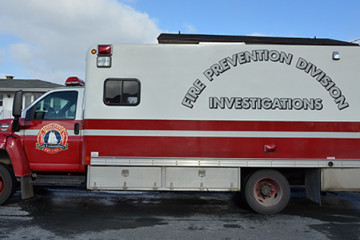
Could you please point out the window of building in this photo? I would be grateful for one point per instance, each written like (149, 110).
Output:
(122, 92)
(1, 100)
(37, 95)
(28, 99)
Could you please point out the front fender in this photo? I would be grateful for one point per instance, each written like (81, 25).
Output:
(17, 155)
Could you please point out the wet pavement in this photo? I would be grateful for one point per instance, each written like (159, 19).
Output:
(74, 213)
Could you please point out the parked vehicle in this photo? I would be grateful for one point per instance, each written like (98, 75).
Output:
(246, 114)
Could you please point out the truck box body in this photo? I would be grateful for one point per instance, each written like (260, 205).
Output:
(227, 101)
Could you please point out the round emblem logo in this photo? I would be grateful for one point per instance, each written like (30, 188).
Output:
(52, 138)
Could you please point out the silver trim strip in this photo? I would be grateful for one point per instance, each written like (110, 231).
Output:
(224, 162)
(239, 134)
(243, 134)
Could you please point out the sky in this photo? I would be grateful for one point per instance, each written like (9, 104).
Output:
(48, 40)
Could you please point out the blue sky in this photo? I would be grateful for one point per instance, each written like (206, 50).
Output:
(48, 40)
(327, 19)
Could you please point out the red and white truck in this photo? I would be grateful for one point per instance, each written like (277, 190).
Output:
(198, 113)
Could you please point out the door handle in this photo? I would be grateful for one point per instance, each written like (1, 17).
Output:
(77, 129)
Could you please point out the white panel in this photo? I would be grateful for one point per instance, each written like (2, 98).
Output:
(168, 71)
(124, 178)
(338, 179)
(203, 178)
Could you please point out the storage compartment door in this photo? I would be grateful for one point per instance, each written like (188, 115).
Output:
(337, 179)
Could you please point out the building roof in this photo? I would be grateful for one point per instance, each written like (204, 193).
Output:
(26, 84)
(197, 38)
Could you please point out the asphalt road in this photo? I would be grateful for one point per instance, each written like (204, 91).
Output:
(74, 213)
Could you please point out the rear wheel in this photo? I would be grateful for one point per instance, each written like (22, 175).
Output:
(7, 183)
(267, 191)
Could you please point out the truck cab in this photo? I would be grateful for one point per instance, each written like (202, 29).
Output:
(46, 137)
(51, 130)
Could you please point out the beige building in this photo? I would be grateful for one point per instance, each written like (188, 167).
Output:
(32, 89)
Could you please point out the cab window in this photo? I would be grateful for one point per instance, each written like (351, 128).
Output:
(55, 106)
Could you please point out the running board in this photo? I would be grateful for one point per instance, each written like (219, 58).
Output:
(59, 180)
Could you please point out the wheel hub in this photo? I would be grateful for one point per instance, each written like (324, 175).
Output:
(265, 190)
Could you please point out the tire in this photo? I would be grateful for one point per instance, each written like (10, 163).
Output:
(7, 183)
(267, 191)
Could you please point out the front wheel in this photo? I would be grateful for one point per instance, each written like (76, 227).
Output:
(267, 191)
(7, 183)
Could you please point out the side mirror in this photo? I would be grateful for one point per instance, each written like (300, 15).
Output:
(17, 106)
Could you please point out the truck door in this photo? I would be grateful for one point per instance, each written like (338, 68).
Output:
(52, 138)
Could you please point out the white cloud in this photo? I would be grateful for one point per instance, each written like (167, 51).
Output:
(2, 55)
(23, 53)
(55, 35)
(356, 40)
(189, 28)
(255, 34)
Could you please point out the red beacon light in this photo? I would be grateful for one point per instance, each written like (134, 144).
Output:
(74, 81)
(104, 49)
(104, 55)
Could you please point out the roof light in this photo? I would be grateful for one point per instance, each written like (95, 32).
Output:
(104, 49)
(74, 81)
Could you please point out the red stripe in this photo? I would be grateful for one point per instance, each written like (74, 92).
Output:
(193, 125)
(201, 147)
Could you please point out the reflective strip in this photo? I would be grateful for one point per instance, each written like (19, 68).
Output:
(35, 132)
(238, 134)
